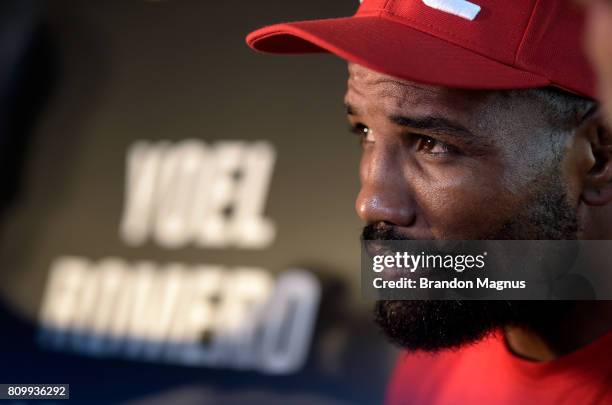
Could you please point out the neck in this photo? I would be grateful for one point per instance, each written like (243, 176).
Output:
(588, 321)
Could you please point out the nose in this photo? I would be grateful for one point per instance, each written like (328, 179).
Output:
(385, 194)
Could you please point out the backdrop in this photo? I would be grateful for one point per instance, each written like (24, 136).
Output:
(178, 220)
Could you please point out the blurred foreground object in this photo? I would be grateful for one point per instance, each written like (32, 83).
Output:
(598, 40)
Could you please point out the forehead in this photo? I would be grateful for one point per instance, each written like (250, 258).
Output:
(511, 128)
(370, 90)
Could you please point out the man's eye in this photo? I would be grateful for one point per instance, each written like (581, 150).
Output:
(431, 146)
(363, 131)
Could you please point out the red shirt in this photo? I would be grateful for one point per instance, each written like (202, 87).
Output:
(487, 373)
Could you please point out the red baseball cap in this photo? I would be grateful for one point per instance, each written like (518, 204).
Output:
(475, 44)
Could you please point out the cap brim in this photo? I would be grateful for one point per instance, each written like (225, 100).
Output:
(393, 49)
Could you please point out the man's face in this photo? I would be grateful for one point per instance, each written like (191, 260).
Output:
(442, 163)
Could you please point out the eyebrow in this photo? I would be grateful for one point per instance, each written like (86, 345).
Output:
(431, 123)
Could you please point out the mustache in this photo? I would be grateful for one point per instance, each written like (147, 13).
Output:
(381, 231)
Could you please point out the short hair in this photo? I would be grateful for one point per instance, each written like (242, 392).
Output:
(564, 110)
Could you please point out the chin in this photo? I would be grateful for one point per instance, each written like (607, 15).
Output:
(432, 326)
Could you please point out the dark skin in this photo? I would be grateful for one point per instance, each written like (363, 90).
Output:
(443, 163)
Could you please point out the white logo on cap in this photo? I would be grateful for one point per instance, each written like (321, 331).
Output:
(460, 8)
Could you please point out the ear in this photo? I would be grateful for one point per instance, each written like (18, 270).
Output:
(598, 182)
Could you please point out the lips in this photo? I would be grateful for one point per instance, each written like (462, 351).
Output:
(394, 259)
(393, 269)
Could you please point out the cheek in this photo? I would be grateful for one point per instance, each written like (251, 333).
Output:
(464, 204)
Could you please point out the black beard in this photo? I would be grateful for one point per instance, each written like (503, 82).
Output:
(435, 325)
